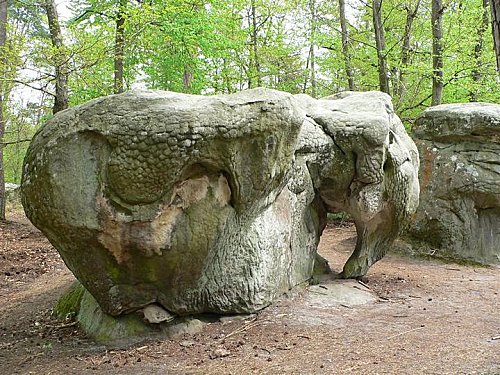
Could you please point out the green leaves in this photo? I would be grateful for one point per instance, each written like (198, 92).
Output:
(210, 46)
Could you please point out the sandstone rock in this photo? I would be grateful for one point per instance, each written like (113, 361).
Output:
(12, 193)
(219, 353)
(333, 293)
(215, 204)
(155, 314)
(362, 162)
(459, 213)
(77, 303)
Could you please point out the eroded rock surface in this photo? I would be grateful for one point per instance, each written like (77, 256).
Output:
(215, 204)
(362, 162)
(459, 213)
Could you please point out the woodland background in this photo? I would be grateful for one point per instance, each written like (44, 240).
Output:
(421, 52)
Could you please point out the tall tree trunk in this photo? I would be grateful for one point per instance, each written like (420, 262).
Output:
(495, 13)
(312, 54)
(311, 66)
(345, 46)
(256, 58)
(187, 78)
(383, 75)
(478, 48)
(437, 52)
(119, 47)
(3, 40)
(61, 97)
(411, 14)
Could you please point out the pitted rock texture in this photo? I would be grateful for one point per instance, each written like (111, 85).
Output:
(215, 204)
(459, 213)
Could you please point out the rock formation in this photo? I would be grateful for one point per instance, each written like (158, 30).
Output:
(12, 193)
(215, 204)
(459, 212)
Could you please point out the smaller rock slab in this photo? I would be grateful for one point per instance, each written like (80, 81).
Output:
(339, 293)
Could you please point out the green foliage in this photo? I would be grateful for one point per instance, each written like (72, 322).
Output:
(210, 47)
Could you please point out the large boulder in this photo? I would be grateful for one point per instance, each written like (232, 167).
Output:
(215, 204)
(459, 213)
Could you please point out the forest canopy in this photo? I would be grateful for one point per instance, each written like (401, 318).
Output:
(421, 52)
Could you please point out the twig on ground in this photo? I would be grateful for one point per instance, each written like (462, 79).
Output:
(357, 287)
(266, 350)
(362, 283)
(63, 325)
(247, 325)
(405, 332)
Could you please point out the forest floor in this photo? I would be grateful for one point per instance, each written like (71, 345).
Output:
(428, 318)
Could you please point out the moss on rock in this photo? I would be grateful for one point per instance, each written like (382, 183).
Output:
(105, 328)
(77, 303)
(68, 304)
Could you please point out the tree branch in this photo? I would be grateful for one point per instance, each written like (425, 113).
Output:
(42, 89)
(15, 142)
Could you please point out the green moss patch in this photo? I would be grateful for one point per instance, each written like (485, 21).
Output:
(68, 306)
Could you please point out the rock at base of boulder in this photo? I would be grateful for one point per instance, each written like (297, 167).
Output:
(332, 293)
(123, 330)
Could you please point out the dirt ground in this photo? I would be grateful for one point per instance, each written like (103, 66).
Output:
(429, 318)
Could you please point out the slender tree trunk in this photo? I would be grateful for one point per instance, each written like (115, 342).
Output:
(495, 13)
(380, 44)
(312, 54)
(411, 14)
(256, 57)
(187, 79)
(437, 52)
(306, 76)
(345, 46)
(478, 48)
(61, 98)
(119, 47)
(311, 66)
(3, 40)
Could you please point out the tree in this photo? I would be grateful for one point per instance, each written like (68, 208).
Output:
(255, 61)
(478, 48)
(400, 71)
(60, 58)
(3, 43)
(311, 57)
(345, 46)
(495, 13)
(383, 72)
(437, 51)
(119, 47)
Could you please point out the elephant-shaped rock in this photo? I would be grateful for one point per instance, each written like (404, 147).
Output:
(215, 203)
